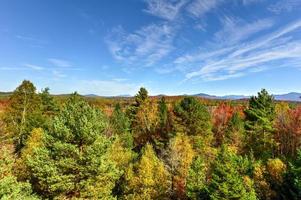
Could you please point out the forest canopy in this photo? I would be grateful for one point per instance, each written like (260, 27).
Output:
(73, 147)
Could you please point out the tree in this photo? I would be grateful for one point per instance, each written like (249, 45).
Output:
(193, 119)
(181, 155)
(288, 130)
(74, 159)
(221, 118)
(119, 121)
(235, 132)
(148, 179)
(23, 113)
(49, 106)
(227, 182)
(197, 180)
(10, 187)
(259, 124)
(144, 119)
(164, 130)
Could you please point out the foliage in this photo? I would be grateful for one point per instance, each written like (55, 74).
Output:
(74, 159)
(259, 124)
(10, 187)
(227, 182)
(197, 180)
(72, 147)
(148, 179)
(180, 158)
(24, 113)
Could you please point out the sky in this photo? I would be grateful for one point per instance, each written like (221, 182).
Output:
(172, 47)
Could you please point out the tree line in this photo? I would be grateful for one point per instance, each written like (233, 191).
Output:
(150, 149)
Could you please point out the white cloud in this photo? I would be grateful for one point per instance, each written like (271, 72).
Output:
(59, 62)
(167, 9)
(145, 46)
(34, 67)
(235, 30)
(277, 48)
(285, 5)
(199, 8)
(58, 74)
(248, 2)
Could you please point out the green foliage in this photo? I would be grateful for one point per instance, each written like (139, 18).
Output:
(119, 121)
(196, 180)
(144, 119)
(193, 118)
(259, 124)
(24, 113)
(72, 150)
(49, 106)
(10, 188)
(74, 159)
(227, 182)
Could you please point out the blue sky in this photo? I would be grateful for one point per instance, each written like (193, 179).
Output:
(113, 47)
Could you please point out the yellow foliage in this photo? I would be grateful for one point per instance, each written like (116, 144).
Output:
(34, 140)
(148, 179)
(120, 155)
(276, 168)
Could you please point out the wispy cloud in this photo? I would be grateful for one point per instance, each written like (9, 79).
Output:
(285, 5)
(32, 39)
(199, 8)
(238, 30)
(58, 74)
(168, 9)
(275, 48)
(59, 62)
(145, 46)
(248, 2)
(34, 67)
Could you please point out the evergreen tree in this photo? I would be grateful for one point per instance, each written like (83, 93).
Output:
(259, 124)
(227, 182)
(74, 159)
(119, 121)
(196, 180)
(49, 106)
(193, 117)
(164, 132)
(144, 119)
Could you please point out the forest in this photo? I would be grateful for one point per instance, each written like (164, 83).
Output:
(144, 148)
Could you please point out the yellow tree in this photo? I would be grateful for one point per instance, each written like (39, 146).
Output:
(180, 159)
(147, 179)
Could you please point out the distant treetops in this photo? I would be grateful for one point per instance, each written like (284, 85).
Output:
(148, 148)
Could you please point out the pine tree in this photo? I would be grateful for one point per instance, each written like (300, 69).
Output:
(227, 182)
(259, 124)
(119, 121)
(197, 180)
(74, 159)
(193, 117)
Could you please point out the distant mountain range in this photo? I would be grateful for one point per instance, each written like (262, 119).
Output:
(292, 96)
